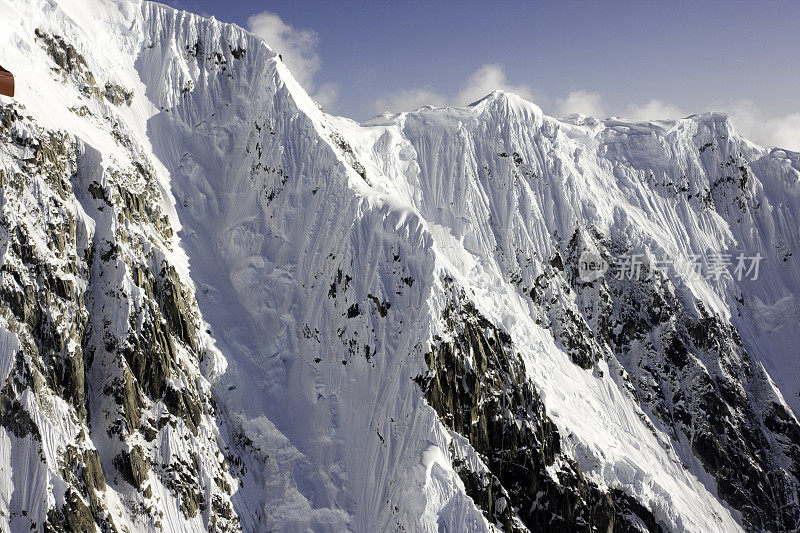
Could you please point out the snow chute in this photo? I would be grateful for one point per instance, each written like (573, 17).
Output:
(6, 82)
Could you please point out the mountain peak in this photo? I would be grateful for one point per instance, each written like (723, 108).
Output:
(507, 102)
(222, 309)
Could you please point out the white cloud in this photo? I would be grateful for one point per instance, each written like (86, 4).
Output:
(408, 100)
(298, 48)
(653, 110)
(751, 122)
(483, 81)
(327, 94)
(486, 79)
(585, 102)
(593, 104)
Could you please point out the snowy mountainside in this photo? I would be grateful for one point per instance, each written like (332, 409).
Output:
(223, 309)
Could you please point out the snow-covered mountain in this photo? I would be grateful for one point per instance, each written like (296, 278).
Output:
(223, 309)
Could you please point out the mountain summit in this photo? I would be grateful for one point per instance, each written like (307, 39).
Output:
(222, 309)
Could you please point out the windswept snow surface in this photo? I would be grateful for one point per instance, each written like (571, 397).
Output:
(316, 248)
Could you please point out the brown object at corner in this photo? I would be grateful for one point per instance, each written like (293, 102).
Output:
(6, 82)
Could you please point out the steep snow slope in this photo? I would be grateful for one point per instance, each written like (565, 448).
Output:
(537, 192)
(302, 259)
(107, 419)
(223, 308)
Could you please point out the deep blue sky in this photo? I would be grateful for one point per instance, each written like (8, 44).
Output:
(689, 55)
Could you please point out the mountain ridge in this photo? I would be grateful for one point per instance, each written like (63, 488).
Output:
(277, 286)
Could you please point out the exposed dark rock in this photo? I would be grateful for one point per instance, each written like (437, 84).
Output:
(65, 308)
(127, 393)
(175, 306)
(93, 471)
(133, 466)
(690, 374)
(77, 515)
(62, 53)
(14, 417)
(182, 478)
(477, 385)
(383, 307)
(117, 94)
(151, 357)
(349, 155)
(71, 63)
(238, 53)
(489, 495)
(182, 404)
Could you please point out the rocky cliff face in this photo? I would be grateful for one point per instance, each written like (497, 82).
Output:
(104, 407)
(223, 309)
(521, 481)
